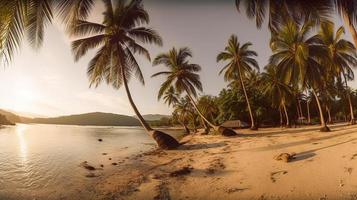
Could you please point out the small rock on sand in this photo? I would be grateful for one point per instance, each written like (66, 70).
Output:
(181, 172)
(114, 163)
(87, 166)
(100, 140)
(286, 157)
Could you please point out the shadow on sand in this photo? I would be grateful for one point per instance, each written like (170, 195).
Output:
(201, 146)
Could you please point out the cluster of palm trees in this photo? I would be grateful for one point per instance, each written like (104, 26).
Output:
(299, 64)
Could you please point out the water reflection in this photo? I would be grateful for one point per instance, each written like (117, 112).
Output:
(20, 132)
(43, 161)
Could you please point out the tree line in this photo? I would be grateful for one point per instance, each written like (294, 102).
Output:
(303, 62)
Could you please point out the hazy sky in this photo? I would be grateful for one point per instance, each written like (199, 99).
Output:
(48, 82)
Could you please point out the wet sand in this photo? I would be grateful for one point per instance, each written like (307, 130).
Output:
(243, 167)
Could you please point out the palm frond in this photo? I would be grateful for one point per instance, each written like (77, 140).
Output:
(39, 14)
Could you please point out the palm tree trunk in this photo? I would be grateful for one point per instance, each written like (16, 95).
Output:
(205, 127)
(353, 121)
(300, 108)
(308, 112)
(198, 111)
(286, 114)
(298, 112)
(281, 117)
(349, 102)
(186, 128)
(247, 100)
(350, 25)
(324, 127)
(163, 140)
(329, 115)
(140, 117)
(224, 131)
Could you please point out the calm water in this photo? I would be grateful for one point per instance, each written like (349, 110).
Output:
(42, 161)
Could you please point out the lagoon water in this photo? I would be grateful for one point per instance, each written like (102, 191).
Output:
(42, 161)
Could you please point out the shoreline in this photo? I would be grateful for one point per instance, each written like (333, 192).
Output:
(242, 167)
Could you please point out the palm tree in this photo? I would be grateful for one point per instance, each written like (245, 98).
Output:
(117, 39)
(185, 112)
(30, 17)
(341, 54)
(241, 63)
(348, 10)
(183, 76)
(297, 59)
(308, 98)
(276, 90)
(207, 105)
(171, 97)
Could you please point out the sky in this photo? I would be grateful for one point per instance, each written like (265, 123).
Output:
(47, 82)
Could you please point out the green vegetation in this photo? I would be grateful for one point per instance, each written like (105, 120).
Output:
(307, 67)
(241, 64)
(184, 77)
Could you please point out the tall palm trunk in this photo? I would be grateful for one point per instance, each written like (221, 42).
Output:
(349, 102)
(353, 121)
(163, 140)
(281, 117)
(253, 127)
(205, 127)
(224, 131)
(324, 127)
(298, 112)
(350, 25)
(187, 130)
(300, 108)
(329, 115)
(286, 114)
(308, 112)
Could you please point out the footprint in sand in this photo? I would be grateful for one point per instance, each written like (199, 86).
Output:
(354, 156)
(348, 170)
(274, 175)
(215, 165)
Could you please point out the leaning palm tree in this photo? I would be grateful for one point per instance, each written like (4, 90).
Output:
(183, 76)
(240, 64)
(341, 54)
(298, 58)
(117, 39)
(274, 88)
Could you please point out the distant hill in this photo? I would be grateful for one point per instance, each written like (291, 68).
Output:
(153, 117)
(11, 116)
(5, 121)
(94, 119)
